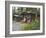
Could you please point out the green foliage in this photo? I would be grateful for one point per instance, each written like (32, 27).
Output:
(27, 27)
(35, 25)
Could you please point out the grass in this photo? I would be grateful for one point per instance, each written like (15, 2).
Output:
(26, 26)
(34, 25)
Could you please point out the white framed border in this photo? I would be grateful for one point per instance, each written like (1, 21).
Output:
(30, 31)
